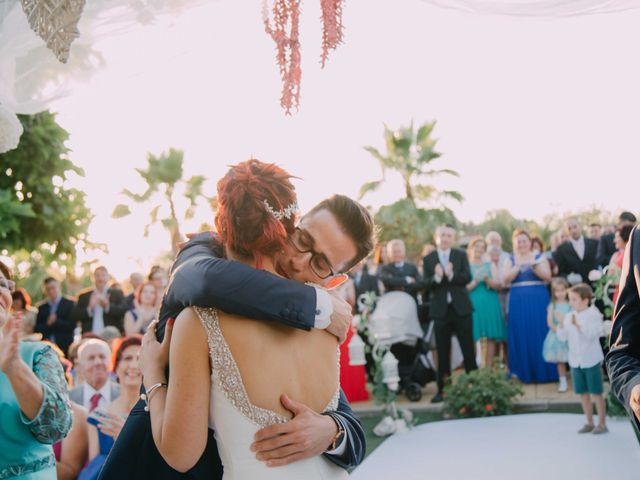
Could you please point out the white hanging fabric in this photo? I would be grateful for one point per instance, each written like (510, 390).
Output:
(538, 8)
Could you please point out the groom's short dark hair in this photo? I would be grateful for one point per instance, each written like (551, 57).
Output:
(354, 220)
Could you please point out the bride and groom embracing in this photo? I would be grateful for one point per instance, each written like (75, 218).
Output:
(247, 392)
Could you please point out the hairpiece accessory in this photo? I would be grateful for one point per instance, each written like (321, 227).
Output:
(287, 213)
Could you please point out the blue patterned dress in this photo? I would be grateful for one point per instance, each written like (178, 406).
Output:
(555, 350)
(25, 445)
(528, 301)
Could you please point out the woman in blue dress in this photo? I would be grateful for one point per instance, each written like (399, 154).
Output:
(528, 273)
(34, 404)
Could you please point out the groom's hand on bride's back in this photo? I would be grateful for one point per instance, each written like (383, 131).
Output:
(307, 435)
(341, 317)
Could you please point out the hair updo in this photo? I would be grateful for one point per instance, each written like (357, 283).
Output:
(243, 221)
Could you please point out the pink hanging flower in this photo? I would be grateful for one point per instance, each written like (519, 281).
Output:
(285, 34)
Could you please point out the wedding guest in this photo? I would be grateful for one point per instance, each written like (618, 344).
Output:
(446, 275)
(577, 257)
(160, 279)
(487, 318)
(33, 397)
(398, 274)
(595, 231)
(100, 305)
(557, 239)
(581, 328)
(71, 452)
(55, 315)
(135, 280)
(623, 358)
(606, 245)
(426, 250)
(97, 389)
(537, 245)
(621, 238)
(107, 421)
(494, 240)
(528, 300)
(364, 282)
(138, 318)
(555, 350)
(22, 306)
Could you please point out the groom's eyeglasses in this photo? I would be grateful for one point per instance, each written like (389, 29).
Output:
(303, 243)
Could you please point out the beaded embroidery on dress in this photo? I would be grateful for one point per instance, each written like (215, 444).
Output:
(235, 419)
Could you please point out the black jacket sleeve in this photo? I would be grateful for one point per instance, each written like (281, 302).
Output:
(356, 446)
(623, 359)
(200, 278)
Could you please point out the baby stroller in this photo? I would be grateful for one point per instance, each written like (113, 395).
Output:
(395, 324)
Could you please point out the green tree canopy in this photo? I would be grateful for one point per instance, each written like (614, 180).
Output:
(163, 176)
(39, 213)
(412, 153)
(415, 226)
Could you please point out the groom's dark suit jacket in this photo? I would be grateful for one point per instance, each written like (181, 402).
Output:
(623, 359)
(201, 278)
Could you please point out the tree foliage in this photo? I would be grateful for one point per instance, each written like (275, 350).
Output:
(415, 226)
(39, 213)
(164, 177)
(411, 153)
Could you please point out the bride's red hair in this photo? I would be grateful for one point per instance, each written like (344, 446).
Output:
(243, 221)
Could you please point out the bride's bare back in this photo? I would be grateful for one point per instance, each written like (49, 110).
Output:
(274, 359)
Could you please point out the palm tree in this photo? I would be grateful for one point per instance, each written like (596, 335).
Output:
(411, 154)
(165, 171)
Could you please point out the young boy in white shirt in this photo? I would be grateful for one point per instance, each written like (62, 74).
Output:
(582, 328)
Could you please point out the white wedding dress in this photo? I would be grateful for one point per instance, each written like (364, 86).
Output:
(235, 420)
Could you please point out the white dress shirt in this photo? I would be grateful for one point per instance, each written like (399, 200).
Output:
(445, 257)
(578, 246)
(584, 344)
(88, 391)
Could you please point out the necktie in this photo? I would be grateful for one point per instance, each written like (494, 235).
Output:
(95, 399)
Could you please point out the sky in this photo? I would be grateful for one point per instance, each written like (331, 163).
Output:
(537, 116)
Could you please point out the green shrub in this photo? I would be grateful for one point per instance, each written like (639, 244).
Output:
(481, 393)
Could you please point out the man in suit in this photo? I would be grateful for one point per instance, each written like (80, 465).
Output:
(54, 320)
(606, 245)
(97, 390)
(100, 306)
(364, 282)
(577, 256)
(398, 274)
(200, 276)
(623, 358)
(446, 275)
(135, 280)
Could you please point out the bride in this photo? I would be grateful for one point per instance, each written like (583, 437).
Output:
(228, 372)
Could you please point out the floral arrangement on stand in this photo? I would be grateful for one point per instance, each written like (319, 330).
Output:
(603, 283)
(384, 381)
(486, 392)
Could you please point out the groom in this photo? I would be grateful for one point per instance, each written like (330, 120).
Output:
(201, 277)
(623, 359)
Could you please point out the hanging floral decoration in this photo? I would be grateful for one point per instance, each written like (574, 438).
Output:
(284, 30)
(331, 27)
(56, 22)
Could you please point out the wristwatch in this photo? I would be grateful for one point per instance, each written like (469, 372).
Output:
(338, 436)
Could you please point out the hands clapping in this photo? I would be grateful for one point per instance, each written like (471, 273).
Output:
(10, 344)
